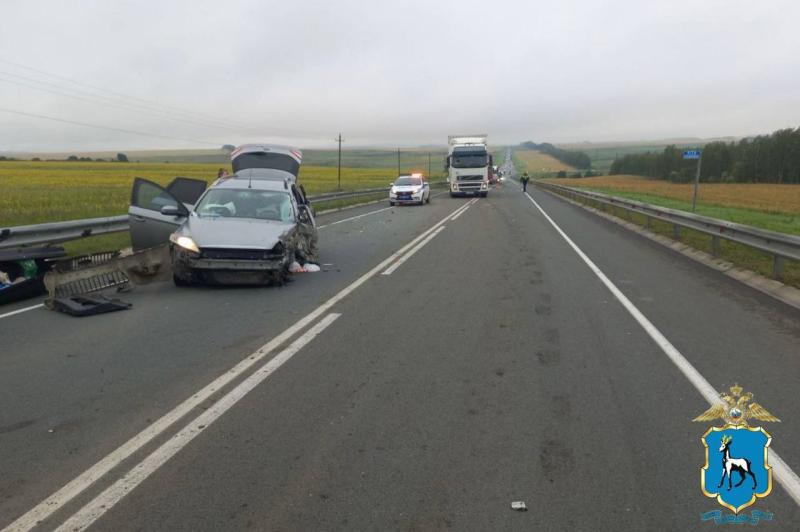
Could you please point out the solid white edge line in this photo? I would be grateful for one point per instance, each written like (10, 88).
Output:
(93, 510)
(781, 470)
(80, 483)
(413, 250)
(20, 311)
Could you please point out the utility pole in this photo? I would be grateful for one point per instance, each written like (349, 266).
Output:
(339, 172)
(429, 165)
(398, 162)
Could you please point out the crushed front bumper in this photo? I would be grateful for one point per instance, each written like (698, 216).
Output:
(189, 266)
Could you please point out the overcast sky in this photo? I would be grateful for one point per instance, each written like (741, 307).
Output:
(393, 73)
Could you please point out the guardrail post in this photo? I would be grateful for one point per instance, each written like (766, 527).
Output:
(714, 245)
(777, 268)
(676, 231)
(648, 222)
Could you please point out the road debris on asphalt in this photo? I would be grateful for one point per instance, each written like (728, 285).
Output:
(87, 305)
(519, 506)
(308, 267)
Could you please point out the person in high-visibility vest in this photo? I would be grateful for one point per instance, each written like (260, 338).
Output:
(524, 179)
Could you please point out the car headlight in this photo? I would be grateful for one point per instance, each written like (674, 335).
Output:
(184, 241)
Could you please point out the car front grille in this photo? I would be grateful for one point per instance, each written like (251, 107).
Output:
(238, 254)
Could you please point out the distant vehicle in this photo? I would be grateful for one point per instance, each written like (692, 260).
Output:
(469, 165)
(410, 189)
(246, 229)
(494, 175)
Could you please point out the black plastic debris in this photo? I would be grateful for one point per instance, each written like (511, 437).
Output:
(87, 305)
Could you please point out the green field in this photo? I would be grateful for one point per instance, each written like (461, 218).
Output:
(780, 222)
(411, 159)
(36, 192)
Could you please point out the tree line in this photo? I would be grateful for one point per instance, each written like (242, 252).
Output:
(773, 158)
(578, 159)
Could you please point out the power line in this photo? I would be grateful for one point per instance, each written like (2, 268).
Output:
(125, 96)
(103, 102)
(97, 126)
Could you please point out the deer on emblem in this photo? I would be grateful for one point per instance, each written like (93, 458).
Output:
(729, 465)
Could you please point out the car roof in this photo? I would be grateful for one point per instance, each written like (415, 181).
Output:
(255, 184)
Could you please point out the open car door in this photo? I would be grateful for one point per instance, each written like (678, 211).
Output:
(155, 212)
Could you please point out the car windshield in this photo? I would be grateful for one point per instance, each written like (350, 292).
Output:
(408, 182)
(247, 203)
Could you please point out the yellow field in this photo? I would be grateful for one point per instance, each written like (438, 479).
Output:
(769, 198)
(535, 161)
(35, 192)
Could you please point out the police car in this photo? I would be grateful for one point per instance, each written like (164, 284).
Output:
(410, 189)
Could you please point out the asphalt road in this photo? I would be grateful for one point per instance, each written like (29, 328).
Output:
(491, 365)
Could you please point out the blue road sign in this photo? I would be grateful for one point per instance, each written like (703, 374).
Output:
(691, 154)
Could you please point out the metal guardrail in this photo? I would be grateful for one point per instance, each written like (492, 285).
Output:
(780, 245)
(57, 232)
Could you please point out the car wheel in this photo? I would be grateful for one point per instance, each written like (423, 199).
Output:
(391, 204)
(429, 199)
(179, 281)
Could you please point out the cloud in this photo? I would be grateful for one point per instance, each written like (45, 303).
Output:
(406, 73)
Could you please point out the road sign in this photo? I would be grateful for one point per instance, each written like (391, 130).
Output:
(691, 154)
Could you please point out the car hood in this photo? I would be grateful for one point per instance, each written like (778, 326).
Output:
(406, 188)
(220, 232)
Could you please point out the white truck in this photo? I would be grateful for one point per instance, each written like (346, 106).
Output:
(469, 165)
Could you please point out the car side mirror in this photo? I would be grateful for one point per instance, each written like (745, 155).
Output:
(172, 210)
(303, 214)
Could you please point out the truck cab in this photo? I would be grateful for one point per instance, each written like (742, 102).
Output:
(468, 165)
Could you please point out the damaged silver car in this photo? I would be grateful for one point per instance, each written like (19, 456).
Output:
(246, 229)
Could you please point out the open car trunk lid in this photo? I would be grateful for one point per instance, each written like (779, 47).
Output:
(267, 156)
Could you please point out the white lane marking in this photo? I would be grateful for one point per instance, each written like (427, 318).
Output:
(464, 210)
(362, 215)
(783, 473)
(80, 483)
(87, 515)
(354, 217)
(20, 311)
(413, 250)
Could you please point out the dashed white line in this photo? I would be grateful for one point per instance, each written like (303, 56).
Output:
(114, 493)
(783, 473)
(20, 311)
